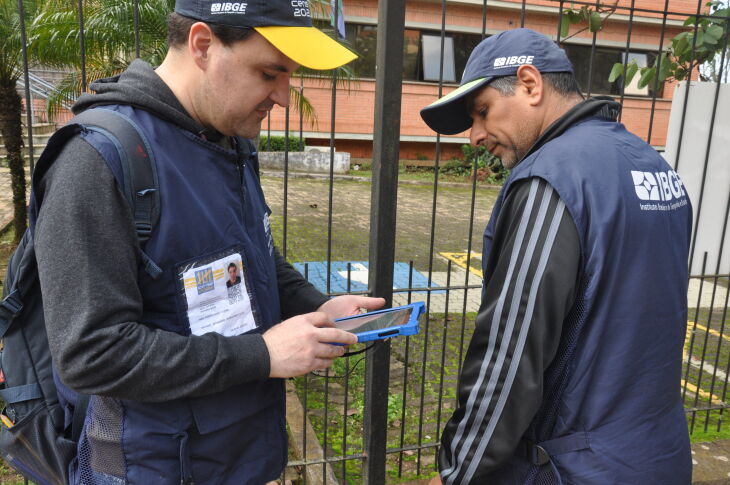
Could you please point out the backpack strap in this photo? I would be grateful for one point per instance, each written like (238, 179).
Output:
(21, 274)
(139, 171)
(137, 161)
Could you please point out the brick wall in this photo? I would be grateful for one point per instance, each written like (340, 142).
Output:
(354, 109)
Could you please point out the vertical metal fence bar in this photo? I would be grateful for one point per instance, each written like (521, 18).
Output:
(659, 52)
(708, 326)
(698, 213)
(405, 379)
(305, 412)
(686, 98)
(694, 330)
(386, 145)
(436, 170)
(591, 59)
(332, 170)
(444, 337)
(136, 29)
(325, 430)
(626, 57)
(82, 47)
(26, 80)
(522, 13)
(723, 235)
(301, 117)
(472, 210)
(285, 209)
(727, 366)
(560, 20)
(484, 19)
(692, 341)
(347, 390)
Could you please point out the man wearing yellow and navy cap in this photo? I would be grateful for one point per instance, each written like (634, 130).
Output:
(184, 373)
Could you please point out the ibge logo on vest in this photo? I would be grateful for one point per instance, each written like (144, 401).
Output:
(664, 187)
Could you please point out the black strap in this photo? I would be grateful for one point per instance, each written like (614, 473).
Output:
(541, 453)
(77, 424)
(138, 165)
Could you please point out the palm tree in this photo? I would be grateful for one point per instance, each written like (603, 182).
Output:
(10, 104)
(110, 44)
(109, 40)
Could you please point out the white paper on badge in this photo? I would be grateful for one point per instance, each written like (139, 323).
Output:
(218, 299)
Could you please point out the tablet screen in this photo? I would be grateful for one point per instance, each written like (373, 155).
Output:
(375, 321)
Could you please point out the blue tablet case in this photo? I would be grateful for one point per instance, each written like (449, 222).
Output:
(409, 328)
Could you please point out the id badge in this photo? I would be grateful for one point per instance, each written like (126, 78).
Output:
(217, 295)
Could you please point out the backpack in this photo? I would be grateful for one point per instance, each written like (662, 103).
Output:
(34, 438)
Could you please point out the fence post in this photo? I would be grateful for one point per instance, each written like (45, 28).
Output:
(386, 146)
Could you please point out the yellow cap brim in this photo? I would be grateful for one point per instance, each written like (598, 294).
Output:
(308, 46)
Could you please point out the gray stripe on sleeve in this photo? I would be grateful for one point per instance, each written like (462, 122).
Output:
(452, 472)
(550, 240)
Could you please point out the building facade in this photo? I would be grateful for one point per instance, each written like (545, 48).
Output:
(465, 23)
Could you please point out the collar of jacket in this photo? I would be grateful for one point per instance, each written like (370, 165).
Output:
(603, 107)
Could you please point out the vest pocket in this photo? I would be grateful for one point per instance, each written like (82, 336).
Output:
(220, 410)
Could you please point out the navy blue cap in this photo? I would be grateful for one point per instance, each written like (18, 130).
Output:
(249, 13)
(496, 56)
(287, 24)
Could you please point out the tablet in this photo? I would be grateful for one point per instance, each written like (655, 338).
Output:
(382, 324)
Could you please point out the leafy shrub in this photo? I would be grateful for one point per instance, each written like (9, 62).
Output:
(489, 167)
(276, 144)
(456, 167)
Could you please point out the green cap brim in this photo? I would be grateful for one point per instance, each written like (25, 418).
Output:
(448, 115)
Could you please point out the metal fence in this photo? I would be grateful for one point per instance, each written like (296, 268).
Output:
(377, 417)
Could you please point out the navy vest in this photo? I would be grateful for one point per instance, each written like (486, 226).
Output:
(212, 211)
(612, 410)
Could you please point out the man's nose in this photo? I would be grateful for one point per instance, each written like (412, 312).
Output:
(280, 94)
(478, 134)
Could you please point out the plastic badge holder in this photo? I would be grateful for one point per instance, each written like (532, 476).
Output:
(383, 324)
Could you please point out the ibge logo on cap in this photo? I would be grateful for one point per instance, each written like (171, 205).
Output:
(502, 62)
(228, 7)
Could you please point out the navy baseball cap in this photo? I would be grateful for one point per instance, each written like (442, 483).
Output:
(496, 56)
(287, 24)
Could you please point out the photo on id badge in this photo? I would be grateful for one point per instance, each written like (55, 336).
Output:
(215, 293)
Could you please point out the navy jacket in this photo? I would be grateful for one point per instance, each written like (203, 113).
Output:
(596, 372)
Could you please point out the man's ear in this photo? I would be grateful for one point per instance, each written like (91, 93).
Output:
(200, 40)
(530, 80)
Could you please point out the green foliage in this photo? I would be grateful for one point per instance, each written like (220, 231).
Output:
(277, 144)
(109, 40)
(585, 15)
(686, 51)
(456, 167)
(489, 168)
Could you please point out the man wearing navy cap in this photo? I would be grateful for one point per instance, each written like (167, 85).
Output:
(572, 375)
(184, 373)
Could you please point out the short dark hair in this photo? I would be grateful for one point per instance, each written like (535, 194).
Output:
(178, 29)
(232, 265)
(563, 83)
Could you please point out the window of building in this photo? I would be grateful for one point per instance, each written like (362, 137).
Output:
(603, 60)
(431, 54)
(421, 53)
